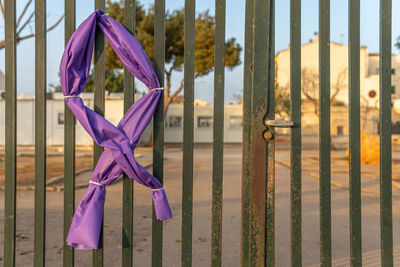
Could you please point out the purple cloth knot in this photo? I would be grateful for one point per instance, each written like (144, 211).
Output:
(118, 141)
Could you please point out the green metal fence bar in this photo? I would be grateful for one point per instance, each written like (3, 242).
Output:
(218, 133)
(40, 133)
(246, 161)
(385, 124)
(158, 129)
(10, 134)
(127, 186)
(188, 134)
(99, 100)
(324, 134)
(69, 149)
(270, 188)
(295, 133)
(354, 133)
(258, 153)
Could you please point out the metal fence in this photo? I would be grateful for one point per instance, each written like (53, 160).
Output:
(258, 192)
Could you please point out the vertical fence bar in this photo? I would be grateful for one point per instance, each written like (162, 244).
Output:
(246, 160)
(354, 132)
(10, 134)
(40, 133)
(295, 133)
(99, 101)
(324, 134)
(69, 149)
(270, 109)
(127, 187)
(158, 129)
(188, 134)
(218, 133)
(258, 153)
(385, 131)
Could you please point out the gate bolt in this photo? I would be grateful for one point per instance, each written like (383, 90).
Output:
(267, 135)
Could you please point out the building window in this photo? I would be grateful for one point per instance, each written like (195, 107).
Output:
(235, 122)
(204, 121)
(339, 130)
(396, 127)
(174, 122)
(60, 117)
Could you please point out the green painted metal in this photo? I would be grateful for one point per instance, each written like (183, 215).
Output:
(10, 134)
(246, 160)
(158, 129)
(40, 133)
(69, 149)
(354, 132)
(324, 134)
(259, 228)
(127, 187)
(385, 131)
(258, 189)
(218, 133)
(99, 100)
(258, 182)
(295, 133)
(188, 134)
(270, 187)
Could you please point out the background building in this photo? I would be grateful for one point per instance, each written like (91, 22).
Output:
(203, 121)
(369, 73)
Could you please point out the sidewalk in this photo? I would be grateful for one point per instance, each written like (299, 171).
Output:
(202, 218)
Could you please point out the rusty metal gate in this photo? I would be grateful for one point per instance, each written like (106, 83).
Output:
(258, 189)
(258, 198)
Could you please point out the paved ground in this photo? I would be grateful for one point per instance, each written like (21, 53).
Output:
(202, 215)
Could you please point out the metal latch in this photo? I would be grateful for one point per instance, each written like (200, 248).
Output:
(279, 123)
(268, 136)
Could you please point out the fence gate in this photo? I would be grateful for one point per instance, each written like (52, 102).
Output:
(258, 193)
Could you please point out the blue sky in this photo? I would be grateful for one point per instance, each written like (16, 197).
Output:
(234, 28)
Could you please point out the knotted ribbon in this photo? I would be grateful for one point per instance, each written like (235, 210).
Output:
(119, 142)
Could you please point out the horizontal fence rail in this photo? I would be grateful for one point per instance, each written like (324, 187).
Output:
(260, 87)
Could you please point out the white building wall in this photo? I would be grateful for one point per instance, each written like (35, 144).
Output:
(203, 122)
(204, 133)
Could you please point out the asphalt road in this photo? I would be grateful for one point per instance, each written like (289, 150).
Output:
(202, 218)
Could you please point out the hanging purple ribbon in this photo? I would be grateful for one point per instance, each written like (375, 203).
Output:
(119, 142)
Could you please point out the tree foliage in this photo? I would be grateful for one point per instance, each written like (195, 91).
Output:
(174, 46)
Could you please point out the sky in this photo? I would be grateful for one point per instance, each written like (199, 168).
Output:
(235, 18)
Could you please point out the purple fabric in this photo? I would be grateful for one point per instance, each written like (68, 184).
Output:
(119, 142)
